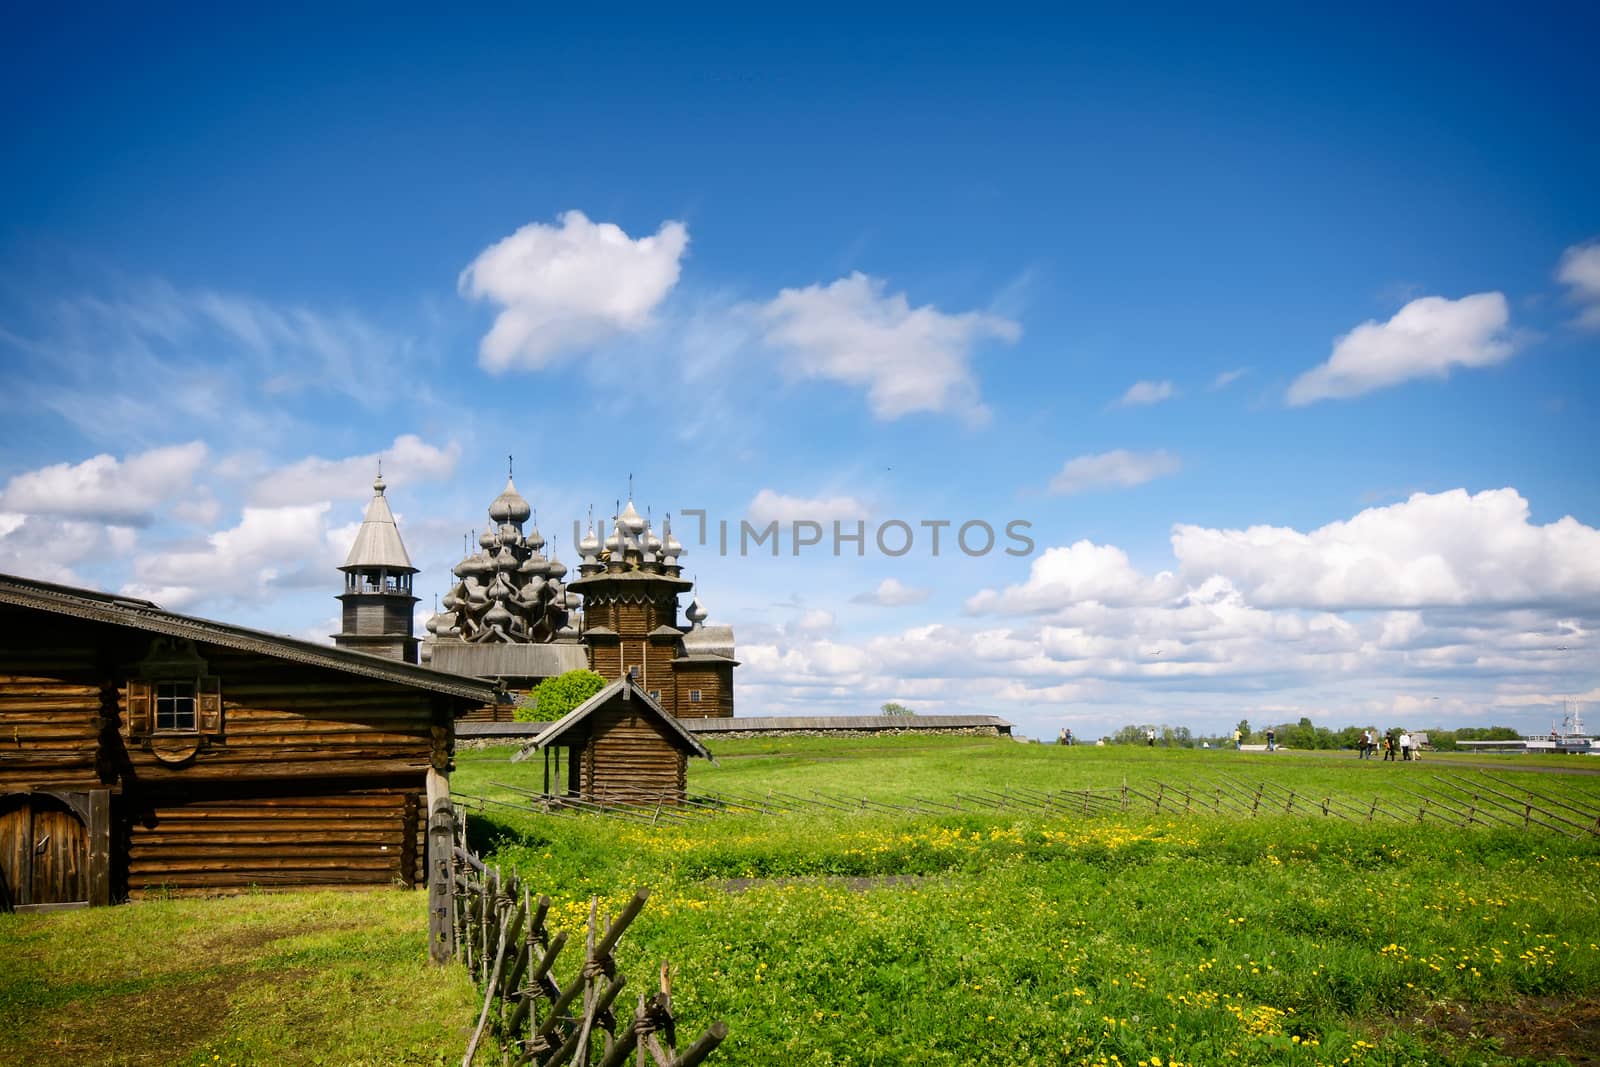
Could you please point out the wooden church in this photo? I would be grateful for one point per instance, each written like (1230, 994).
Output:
(513, 616)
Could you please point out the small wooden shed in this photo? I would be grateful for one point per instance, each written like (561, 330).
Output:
(145, 751)
(620, 746)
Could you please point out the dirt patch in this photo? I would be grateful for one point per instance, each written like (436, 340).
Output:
(153, 1027)
(236, 944)
(858, 884)
(1538, 1028)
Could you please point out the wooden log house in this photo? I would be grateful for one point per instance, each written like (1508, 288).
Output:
(619, 746)
(142, 751)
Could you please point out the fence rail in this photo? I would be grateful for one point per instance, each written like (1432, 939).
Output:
(497, 929)
(1462, 800)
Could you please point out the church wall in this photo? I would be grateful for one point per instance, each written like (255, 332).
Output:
(716, 692)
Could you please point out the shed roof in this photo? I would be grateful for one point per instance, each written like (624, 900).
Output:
(704, 640)
(144, 615)
(621, 690)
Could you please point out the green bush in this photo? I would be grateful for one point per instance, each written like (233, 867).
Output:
(554, 697)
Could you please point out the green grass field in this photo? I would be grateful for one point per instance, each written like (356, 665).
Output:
(974, 937)
(995, 937)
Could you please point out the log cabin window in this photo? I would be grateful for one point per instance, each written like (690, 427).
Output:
(694, 696)
(175, 706)
(170, 692)
(655, 694)
(191, 705)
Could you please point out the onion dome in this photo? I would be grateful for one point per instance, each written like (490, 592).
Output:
(573, 601)
(652, 543)
(488, 539)
(556, 569)
(631, 520)
(505, 560)
(568, 632)
(510, 506)
(498, 618)
(532, 592)
(695, 612)
(613, 542)
(479, 565)
(536, 539)
(669, 544)
(590, 545)
(501, 588)
(535, 566)
(432, 625)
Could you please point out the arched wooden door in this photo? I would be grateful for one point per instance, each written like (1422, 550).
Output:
(44, 851)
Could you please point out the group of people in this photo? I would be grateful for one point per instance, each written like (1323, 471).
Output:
(1393, 742)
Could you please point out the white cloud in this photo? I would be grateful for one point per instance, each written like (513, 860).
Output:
(1119, 468)
(273, 546)
(1433, 550)
(908, 359)
(892, 593)
(1580, 271)
(570, 287)
(1062, 576)
(1228, 377)
(1424, 339)
(769, 506)
(125, 492)
(48, 548)
(408, 461)
(1141, 393)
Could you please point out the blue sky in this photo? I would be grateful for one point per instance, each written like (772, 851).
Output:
(1278, 329)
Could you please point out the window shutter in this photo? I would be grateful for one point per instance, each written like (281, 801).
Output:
(136, 721)
(208, 705)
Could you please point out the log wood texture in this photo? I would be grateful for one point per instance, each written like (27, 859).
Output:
(316, 776)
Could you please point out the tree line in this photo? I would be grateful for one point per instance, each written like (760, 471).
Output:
(1303, 735)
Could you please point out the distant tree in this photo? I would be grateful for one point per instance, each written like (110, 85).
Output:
(1129, 735)
(893, 708)
(1244, 729)
(554, 697)
(1487, 733)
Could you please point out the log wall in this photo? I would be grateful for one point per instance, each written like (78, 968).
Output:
(626, 754)
(51, 704)
(370, 837)
(317, 776)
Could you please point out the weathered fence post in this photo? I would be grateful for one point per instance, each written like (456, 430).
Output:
(441, 909)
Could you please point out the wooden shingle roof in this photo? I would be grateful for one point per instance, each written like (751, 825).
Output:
(144, 615)
(623, 689)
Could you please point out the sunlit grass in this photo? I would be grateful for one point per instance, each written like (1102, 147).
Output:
(294, 978)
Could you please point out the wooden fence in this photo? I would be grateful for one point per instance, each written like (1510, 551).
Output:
(1479, 799)
(496, 928)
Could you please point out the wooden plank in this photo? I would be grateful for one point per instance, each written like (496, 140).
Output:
(100, 847)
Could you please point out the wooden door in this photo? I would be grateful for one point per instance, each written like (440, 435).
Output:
(44, 852)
